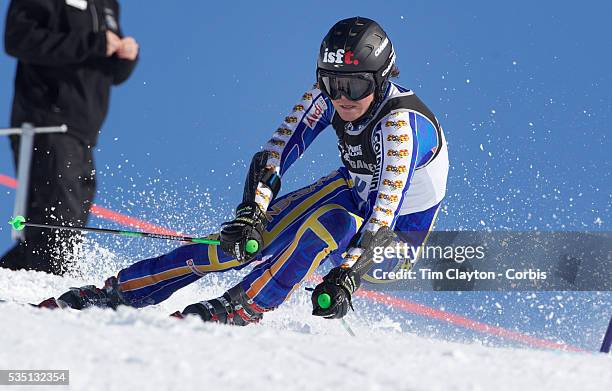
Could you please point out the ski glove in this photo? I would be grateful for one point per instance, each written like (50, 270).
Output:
(238, 236)
(331, 299)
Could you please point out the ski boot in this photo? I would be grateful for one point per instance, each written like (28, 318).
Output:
(234, 308)
(86, 296)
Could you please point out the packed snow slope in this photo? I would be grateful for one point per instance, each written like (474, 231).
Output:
(288, 350)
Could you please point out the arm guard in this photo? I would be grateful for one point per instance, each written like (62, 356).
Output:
(262, 183)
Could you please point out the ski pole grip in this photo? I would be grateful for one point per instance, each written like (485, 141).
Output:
(252, 246)
(324, 300)
(18, 223)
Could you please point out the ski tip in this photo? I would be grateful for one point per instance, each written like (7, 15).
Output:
(51, 304)
(17, 222)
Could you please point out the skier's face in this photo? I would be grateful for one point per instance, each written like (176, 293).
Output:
(350, 110)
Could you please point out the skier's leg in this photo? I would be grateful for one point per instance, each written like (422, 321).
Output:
(153, 280)
(324, 234)
(309, 226)
(149, 281)
(422, 221)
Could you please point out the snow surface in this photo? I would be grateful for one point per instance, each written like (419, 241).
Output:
(289, 350)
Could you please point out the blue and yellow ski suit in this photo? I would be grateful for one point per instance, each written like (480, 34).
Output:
(395, 166)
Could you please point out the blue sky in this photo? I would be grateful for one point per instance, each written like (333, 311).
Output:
(527, 82)
(521, 89)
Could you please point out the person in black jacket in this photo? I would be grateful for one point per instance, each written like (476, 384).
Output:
(70, 53)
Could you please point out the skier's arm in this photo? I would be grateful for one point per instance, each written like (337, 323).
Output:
(395, 167)
(341, 282)
(397, 162)
(29, 37)
(307, 119)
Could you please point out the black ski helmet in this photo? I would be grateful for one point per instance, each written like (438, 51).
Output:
(358, 45)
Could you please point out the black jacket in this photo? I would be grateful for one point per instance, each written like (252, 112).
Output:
(63, 74)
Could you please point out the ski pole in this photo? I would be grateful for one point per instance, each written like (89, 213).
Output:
(19, 222)
(347, 327)
(324, 301)
(381, 239)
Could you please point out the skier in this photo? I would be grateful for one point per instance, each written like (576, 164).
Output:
(394, 175)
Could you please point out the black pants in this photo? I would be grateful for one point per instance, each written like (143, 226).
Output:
(61, 190)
